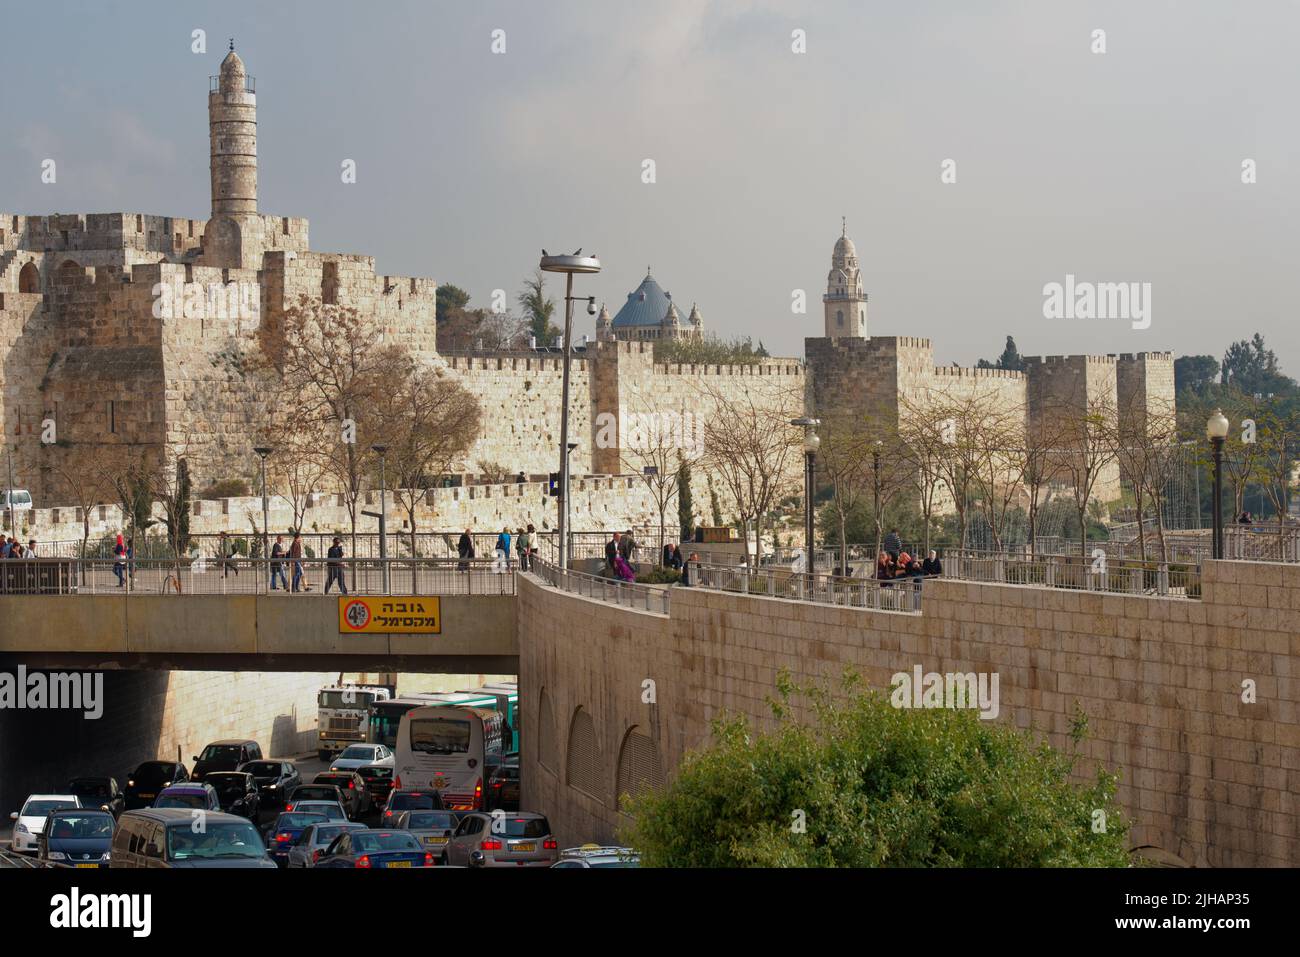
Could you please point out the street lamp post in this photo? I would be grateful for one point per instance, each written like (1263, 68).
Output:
(382, 451)
(1216, 429)
(262, 452)
(575, 263)
(811, 443)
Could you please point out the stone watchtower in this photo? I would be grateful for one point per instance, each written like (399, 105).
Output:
(232, 128)
(845, 302)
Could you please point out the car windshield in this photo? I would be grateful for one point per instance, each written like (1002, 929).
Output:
(340, 781)
(368, 843)
(431, 820)
(76, 827)
(298, 820)
(410, 802)
(40, 808)
(331, 811)
(358, 753)
(228, 787)
(93, 789)
(182, 799)
(217, 840)
(376, 774)
(152, 775)
(220, 752)
(262, 769)
(349, 699)
(524, 827)
(439, 735)
(310, 793)
(325, 834)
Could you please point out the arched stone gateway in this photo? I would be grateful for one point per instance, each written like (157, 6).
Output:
(29, 279)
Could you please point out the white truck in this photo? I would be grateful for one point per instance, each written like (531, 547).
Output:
(343, 715)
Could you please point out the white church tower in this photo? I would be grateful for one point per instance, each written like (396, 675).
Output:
(845, 302)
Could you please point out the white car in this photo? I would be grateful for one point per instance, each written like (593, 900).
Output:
(30, 821)
(359, 755)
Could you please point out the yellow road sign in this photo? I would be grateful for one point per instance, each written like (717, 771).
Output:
(393, 616)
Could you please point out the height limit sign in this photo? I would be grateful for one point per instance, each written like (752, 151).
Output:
(390, 616)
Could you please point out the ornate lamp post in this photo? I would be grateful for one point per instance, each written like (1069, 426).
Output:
(1216, 429)
(262, 452)
(575, 263)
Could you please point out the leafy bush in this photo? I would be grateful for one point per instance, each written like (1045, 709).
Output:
(874, 786)
(657, 575)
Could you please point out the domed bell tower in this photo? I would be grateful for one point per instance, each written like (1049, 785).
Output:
(845, 302)
(232, 127)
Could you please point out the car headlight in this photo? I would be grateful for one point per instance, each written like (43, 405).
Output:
(57, 856)
(108, 855)
(21, 828)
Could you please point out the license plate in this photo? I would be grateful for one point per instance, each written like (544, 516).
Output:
(398, 864)
(435, 840)
(523, 847)
(151, 794)
(87, 865)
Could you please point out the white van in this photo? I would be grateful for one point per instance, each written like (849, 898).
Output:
(19, 499)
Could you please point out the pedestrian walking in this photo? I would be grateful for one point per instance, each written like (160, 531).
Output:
(226, 553)
(503, 545)
(523, 542)
(335, 568)
(893, 544)
(465, 549)
(295, 556)
(277, 567)
(612, 552)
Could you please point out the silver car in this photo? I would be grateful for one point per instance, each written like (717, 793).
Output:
(333, 811)
(499, 839)
(313, 840)
(433, 829)
(359, 755)
(594, 855)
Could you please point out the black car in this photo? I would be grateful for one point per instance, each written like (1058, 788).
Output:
(379, 782)
(227, 755)
(101, 792)
(503, 788)
(411, 799)
(237, 792)
(275, 779)
(78, 837)
(352, 786)
(148, 780)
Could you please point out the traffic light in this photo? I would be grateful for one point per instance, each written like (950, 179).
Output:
(553, 488)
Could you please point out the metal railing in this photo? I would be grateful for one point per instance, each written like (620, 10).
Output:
(651, 598)
(1103, 573)
(9, 858)
(253, 576)
(900, 595)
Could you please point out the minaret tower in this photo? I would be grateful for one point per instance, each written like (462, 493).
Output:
(845, 302)
(232, 126)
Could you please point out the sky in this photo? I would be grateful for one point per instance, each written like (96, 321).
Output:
(1122, 166)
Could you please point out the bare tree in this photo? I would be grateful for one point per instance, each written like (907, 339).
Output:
(86, 476)
(922, 445)
(845, 463)
(655, 443)
(1088, 453)
(428, 422)
(753, 451)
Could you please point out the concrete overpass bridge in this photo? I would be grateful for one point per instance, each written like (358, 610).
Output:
(72, 615)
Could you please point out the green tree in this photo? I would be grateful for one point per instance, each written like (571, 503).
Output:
(685, 505)
(866, 784)
(1250, 367)
(1195, 373)
(538, 310)
(450, 299)
(1010, 359)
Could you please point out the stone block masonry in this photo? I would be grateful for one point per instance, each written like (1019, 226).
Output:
(1204, 775)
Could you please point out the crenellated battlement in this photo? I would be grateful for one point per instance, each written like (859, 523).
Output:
(974, 373)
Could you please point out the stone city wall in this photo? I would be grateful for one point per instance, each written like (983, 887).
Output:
(1204, 776)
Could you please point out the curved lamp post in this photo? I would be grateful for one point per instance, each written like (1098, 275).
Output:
(568, 265)
(1216, 430)
(262, 452)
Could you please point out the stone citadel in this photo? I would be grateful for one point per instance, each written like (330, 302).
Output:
(138, 329)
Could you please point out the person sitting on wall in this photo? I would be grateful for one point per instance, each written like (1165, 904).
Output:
(932, 567)
(900, 564)
(687, 567)
(884, 568)
(676, 560)
(622, 570)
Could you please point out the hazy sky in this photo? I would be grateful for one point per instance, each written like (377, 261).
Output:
(1124, 166)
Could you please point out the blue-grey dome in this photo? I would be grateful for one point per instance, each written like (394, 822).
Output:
(646, 305)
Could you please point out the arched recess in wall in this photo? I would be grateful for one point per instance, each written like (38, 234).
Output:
(548, 751)
(70, 272)
(29, 279)
(329, 284)
(639, 767)
(582, 765)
